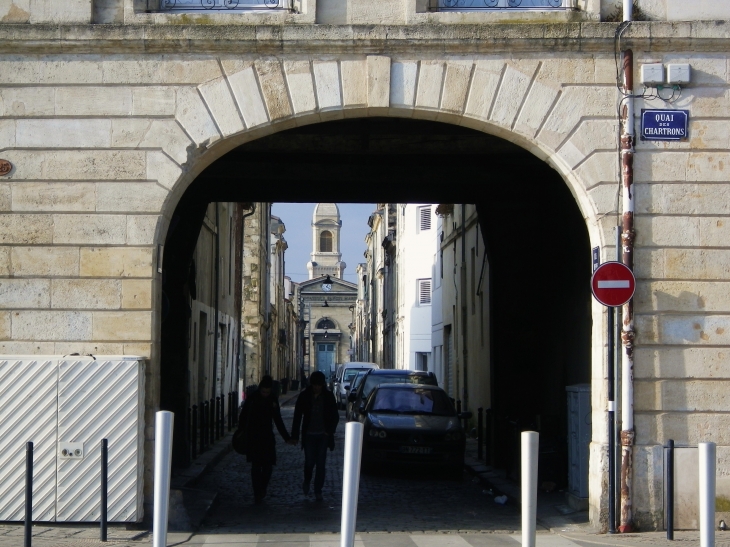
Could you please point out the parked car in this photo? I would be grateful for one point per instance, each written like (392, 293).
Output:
(347, 374)
(354, 385)
(384, 376)
(412, 424)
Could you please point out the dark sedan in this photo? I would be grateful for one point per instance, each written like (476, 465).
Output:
(375, 377)
(414, 425)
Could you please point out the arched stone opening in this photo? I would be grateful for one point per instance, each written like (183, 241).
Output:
(536, 237)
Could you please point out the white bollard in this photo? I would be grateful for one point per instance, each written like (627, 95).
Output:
(163, 462)
(708, 461)
(351, 482)
(530, 444)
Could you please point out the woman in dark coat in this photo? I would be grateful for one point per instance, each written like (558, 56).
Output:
(259, 411)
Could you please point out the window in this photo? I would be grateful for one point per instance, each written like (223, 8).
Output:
(325, 242)
(422, 360)
(326, 324)
(424, 292)
(424, 218)
(223, 5)
(487, 5)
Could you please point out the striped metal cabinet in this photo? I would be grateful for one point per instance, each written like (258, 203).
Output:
(28, 412)
(100, 398)
(66, 406)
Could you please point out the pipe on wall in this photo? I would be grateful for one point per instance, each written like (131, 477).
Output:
(628, 334)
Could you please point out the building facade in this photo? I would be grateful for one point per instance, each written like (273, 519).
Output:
(111, 134)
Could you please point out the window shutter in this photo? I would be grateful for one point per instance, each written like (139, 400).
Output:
(424, 292)
(424, 218)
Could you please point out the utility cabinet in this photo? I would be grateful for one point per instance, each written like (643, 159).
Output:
(66, 406)
(579, 439)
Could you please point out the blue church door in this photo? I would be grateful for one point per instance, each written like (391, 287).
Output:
(325, 358)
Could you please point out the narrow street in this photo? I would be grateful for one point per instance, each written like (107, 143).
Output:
(398, 501)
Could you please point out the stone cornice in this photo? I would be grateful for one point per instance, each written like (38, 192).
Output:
(430, 39)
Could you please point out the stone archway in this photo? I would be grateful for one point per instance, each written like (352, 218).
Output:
(166, 119)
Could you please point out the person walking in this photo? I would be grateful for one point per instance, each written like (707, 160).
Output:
(259, 411)
(316, 412)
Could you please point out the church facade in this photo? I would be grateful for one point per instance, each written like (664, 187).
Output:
(326, 300)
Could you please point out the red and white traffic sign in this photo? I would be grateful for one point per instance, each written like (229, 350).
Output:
(613, 284)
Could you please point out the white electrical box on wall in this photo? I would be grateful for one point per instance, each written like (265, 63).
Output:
(678, 73)
(652, 74)
(65, 406)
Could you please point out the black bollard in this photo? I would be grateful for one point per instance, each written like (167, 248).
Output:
(670, 489)
(480, 432)
(211, 418)
(204, 427)
(194, 432)
(104, 489)
(216, 421)
(488, 436)
(28, 494)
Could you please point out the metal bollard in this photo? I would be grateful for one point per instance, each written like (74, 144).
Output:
(216, 418)
(164, 422)
(488, 436)
(708, 464)
(480, 432)
(204, 427)
(350, 482)
(194, 432)
(104, 490)
(530, 444)
(28, 532)
(670, 489)
(211, 421)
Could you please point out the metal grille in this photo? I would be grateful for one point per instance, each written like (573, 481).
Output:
(424, 292)
(28, 413)
(100, 399)
(501, 5)
(424, 218)
(224, 5)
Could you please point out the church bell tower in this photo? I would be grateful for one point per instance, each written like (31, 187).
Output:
(326, 258)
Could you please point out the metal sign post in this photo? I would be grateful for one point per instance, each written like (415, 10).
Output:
(613, 285)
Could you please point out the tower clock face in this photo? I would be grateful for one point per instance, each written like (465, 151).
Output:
(326, 287)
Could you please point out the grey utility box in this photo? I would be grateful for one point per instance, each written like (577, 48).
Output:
(579, 440)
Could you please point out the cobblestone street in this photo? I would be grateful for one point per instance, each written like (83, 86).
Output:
(389, 502)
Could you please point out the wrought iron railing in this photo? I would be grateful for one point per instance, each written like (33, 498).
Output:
(224, 5)
(501, 5)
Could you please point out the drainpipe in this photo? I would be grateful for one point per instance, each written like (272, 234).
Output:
(628, 334)
(464, 349)
(217, 288)
(241, 382)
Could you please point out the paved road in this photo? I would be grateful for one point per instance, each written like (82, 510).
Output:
(399, 501)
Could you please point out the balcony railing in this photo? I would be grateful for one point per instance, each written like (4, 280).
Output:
(224, 5)
(502, 5)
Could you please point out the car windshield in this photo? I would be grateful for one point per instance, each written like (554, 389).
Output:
(358, 379)
(350, 373)
(413, 401)
(374, 380)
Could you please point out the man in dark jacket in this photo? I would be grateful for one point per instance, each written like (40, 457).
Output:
(259, 411)
(316, 411)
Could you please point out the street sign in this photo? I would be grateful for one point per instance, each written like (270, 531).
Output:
(613, 284)
(664, 125)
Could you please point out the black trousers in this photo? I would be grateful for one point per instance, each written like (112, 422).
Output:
(260, 477)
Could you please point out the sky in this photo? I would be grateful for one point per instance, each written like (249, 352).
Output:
(297, 217)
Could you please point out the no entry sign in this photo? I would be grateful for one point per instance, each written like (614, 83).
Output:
(613, 284)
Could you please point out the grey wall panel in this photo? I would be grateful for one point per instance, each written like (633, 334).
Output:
(28, 412)
(100, 399)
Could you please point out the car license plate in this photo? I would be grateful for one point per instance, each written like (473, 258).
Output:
(416, 449)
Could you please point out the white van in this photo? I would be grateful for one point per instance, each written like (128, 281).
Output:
(345, 374)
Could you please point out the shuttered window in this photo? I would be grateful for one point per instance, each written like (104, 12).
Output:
(424, 292)
(424, 218)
